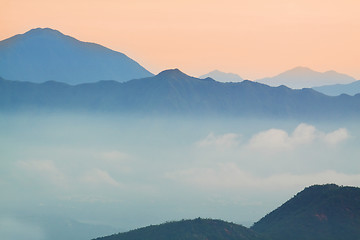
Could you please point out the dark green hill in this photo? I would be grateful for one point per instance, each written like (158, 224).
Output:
(320, 212)
(197, 229)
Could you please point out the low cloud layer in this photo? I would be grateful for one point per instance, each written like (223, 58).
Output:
(277, 140)
(231, 176)
(13, 229)
(227, 140)
(274, 140)
(132, 173)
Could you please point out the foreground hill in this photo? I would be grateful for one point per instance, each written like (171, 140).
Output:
(173, 92)
(319, 212)
(326, 212)
(338, 89)
(197, 229)
(302, 77)
(45, 54)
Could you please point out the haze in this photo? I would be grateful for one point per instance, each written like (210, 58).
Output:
(126, 172)
(254, 39)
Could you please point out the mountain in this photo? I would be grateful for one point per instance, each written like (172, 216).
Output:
(222, 77)
(302, 77)
(338, 89)
(173, 92)
(320, 212)
(44, 54)
(197, 229)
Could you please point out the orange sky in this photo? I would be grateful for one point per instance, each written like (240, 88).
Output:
(253, 38)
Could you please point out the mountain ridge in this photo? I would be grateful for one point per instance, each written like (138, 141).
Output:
(196, 229)
(338, 89)
(304, 77)
(174, 92)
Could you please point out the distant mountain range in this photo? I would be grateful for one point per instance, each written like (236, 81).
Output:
(222, 76)
(172, 91)
(298, 78)
(319, 212)
(338, 89)
(302, 77)
(44, 54)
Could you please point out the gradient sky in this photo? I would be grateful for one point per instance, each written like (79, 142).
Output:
(253, 38)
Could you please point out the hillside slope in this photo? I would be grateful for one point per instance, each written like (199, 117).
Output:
(197, 229)
(320, 212)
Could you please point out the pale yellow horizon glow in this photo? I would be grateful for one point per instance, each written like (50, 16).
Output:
(253, 38)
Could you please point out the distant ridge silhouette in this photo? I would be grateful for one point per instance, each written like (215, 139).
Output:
(44, 54)
(174, 92)
(222, 76)
(338, 89)
(303, 77)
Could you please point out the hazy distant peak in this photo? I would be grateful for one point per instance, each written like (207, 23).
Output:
(338, 89)
(216, 72)
(222, 76)
(300, 69)
(172, 73)
(44, 54)
(42, 30)
(304, 77)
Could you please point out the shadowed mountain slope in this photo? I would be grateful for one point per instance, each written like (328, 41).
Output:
(197, 229)
(44, 54)
(320, 212)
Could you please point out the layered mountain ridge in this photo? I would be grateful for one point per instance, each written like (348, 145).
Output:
(172, 91)
(303, 77)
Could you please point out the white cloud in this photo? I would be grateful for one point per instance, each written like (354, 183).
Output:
(336, 136)
(99, 177)
(227, 140)
(275, 140)
(303, 134)
(229, 175)
(114, 156)
(44, 169)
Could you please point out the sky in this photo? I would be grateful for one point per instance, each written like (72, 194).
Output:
(255, 39)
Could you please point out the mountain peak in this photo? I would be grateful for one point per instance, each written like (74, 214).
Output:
(223, 76)
(43, 32)
(172, 73)
(300, 69)
(44, 54)
(39, 29)
(304, 77)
